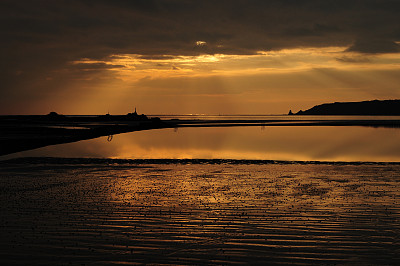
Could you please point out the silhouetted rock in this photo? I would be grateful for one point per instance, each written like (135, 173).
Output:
(376, 107)
(55, 116)
(290, 112)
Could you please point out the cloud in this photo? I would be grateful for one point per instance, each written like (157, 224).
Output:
(314, 30)
(99, 28)
(95, 66)
(373, 46)
(156, 57)
(42, 38)
(353, 59)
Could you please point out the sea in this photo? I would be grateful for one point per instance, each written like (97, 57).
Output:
(299, 195)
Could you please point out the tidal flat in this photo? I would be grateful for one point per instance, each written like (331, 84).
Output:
(106, 212)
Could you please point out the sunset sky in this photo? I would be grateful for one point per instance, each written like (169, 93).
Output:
(181, 57)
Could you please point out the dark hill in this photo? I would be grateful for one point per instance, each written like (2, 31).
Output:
(376, 107)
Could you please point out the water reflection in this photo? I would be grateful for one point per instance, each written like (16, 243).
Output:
(178, 214)
(269, 143)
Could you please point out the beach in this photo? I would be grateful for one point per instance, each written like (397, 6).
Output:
(104, 211)
(175, 132)
(22, 133)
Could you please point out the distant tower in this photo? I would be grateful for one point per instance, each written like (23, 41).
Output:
(135, 113)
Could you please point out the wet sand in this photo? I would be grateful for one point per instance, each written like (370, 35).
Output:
(60, 211)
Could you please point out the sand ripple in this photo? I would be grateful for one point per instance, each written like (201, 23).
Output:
(199, 213)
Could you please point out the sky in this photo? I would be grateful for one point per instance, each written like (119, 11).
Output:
(195, 57)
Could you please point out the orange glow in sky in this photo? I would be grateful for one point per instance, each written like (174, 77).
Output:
(210, 57)
(264, 83)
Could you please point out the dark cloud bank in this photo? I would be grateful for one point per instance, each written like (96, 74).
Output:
(41, 37)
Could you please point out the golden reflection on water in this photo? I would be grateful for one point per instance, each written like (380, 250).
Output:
(270, 143)
(196, 214)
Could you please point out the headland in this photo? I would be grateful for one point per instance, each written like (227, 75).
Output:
(375, 107)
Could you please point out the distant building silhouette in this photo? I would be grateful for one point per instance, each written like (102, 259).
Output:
(128, 117)
(136, 116)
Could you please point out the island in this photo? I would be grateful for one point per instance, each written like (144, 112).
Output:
(375, 107)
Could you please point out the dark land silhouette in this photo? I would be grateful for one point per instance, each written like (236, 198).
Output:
(376, 107)
(26, 132)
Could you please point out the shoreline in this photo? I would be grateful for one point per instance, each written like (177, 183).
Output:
(165, 161)
(23, 134)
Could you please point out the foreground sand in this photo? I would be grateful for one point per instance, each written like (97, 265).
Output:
(57, 211)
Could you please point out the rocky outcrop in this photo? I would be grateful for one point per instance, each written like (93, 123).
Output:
(376, 107)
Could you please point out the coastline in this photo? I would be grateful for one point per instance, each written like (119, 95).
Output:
(23, 133)
(133, 162)
(197, 211)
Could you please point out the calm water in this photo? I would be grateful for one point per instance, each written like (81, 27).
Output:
(262, 117)
(109, 212)
(274, 117)
(270, 143)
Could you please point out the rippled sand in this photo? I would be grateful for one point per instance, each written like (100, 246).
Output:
(181, 213)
